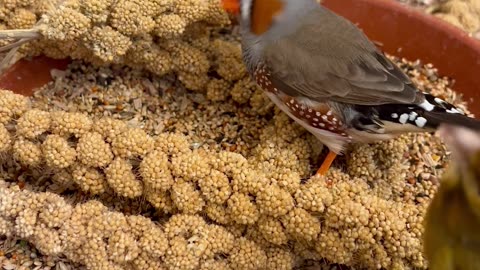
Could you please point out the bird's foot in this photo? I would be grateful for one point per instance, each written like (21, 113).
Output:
(327, 162)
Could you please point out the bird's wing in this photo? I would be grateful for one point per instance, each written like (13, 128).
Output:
(330, 58)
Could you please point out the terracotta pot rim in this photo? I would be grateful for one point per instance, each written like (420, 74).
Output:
(428, 19)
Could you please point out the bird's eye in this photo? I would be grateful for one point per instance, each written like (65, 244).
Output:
(263, 13)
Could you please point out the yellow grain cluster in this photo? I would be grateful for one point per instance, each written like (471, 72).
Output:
(162, 36)
(90, 234)
(256, 211)
(178, 37)
(218, 210)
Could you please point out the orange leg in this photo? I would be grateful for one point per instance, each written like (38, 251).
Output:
(327, 162)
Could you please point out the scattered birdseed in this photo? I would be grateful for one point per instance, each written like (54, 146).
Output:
(401, 173)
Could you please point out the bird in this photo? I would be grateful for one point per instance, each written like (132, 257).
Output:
(324, 73)
(452, 222)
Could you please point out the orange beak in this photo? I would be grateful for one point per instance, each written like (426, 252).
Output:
(231, 6)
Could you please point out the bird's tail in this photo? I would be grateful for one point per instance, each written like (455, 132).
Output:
(426, 116)
(438, 111)
(438, 118)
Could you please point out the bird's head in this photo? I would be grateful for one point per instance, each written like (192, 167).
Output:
(261, 16)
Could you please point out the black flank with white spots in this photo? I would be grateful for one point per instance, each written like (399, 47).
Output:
(428, 115)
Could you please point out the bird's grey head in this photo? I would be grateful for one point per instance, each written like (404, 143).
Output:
(260, 17)
(264, 21)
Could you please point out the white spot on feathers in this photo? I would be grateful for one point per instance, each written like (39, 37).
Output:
(420, 122)
(427, 106)
(439, 101)
(412, 116)
(453, 110)
(403, 118)
(394, 115)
